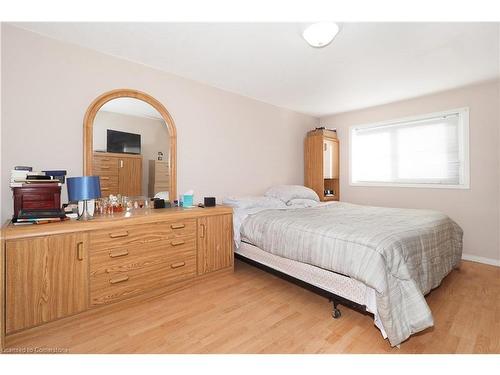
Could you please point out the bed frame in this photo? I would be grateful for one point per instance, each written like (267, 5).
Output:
(334, 298)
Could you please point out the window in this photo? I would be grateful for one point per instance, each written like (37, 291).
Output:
(424, 151)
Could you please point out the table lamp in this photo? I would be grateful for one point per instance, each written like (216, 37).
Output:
(83, 189)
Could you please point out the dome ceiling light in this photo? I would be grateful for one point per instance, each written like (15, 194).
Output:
(320, 34)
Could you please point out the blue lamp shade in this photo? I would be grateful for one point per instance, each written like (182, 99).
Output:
(83, 188)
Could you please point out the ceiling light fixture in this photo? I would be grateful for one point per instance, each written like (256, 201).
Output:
(320, 34)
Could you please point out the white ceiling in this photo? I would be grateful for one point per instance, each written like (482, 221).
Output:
(131, 106)
(367, 64)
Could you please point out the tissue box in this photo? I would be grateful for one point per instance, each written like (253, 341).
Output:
(187, 200)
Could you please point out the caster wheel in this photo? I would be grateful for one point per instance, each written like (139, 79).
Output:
(336, 314)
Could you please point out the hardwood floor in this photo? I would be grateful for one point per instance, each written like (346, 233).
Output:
(252, 311)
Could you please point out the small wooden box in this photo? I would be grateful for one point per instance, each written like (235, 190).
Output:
(36, 196)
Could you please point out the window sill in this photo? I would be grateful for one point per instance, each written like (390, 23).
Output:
(399, 185)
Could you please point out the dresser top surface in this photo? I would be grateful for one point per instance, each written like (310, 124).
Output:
(139, 216)
(101, 154)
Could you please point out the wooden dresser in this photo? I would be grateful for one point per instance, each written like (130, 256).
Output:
(55, 270)
(119, 173)
(159, 178)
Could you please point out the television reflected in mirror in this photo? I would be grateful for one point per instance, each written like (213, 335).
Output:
(123, 142)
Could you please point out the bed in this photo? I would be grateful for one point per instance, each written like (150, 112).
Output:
(382, 259)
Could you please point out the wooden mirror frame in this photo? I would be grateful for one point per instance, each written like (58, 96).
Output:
(88, 130)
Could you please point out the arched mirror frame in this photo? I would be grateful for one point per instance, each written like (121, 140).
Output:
(88, 130)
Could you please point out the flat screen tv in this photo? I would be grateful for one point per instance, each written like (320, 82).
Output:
(122, 142)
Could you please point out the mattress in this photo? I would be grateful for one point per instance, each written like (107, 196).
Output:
(332, 282)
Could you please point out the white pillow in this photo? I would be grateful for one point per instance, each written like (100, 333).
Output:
(252, 202)
(289, 192)
(299, 202)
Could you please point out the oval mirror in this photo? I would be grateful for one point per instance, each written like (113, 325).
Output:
(130, 143)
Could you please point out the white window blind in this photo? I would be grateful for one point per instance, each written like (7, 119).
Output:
(429, 150)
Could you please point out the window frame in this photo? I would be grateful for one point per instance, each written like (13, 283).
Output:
(463, 134)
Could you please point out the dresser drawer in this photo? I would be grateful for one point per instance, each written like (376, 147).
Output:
(109, 181)
(117, 286)
(162, 187)
(106, 160)
(34, 205)
(38, 197)
(162, 180)
(99, 171)
(122, 237)
(105, 165)
(106, 191)
(162, 167)
(131, 257)
(109, 185)
(162, 172)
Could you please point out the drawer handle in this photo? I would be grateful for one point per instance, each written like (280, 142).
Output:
(152, 240)
(79, 250)
(104, 167)
(177, 226)
(104, 189)
(117, 254)
(177, 243)
(118, 234)
(178, 265)
(202, 234)
(104, 178)
(119, 279)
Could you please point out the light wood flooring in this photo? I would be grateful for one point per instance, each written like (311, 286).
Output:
(252, 311)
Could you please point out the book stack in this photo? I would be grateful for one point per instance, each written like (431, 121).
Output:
(39, 216)
(20, 176)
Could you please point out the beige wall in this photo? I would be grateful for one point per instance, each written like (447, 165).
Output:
(498, 114)
(1, 126)
(227, 144)
(154, 137)
(2, 289)
(475, 209)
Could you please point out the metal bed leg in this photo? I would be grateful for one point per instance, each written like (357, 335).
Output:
(335, 312)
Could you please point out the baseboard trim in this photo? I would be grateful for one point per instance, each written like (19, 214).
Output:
(474, 258)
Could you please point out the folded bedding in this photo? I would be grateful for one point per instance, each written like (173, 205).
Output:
(401, 253)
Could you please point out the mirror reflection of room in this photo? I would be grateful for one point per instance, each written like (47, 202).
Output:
(131, 149)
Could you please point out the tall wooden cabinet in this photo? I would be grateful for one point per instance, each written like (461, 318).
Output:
(46, 279)
(321, 163)
(119, 173)
(159, 177)
(60, 269)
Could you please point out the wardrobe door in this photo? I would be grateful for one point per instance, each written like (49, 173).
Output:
(215, 243)
(130, 176)
(46, 279)
(313, 164)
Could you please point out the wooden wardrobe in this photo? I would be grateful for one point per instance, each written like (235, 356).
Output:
(119, 173)
(321, 163)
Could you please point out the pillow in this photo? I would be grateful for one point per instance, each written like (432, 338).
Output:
(252, 202)
(289, 192)
(299, 202)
